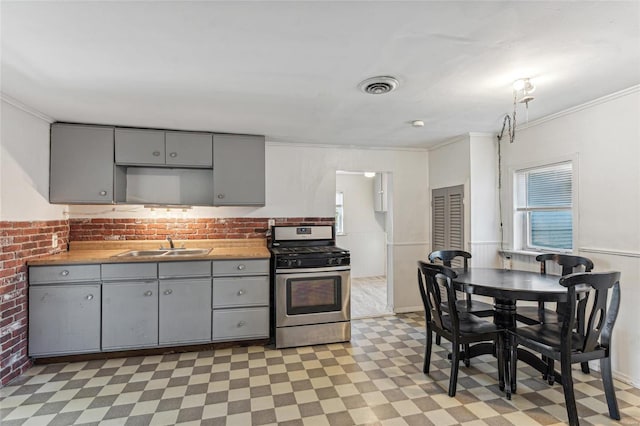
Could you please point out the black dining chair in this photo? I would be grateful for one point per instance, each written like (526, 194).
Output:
(538, 315)
(460, 330)
(565, 343)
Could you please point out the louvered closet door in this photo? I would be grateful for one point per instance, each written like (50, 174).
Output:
(448, 219)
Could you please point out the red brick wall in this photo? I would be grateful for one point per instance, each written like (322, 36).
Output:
(181, 229)
(20, 242)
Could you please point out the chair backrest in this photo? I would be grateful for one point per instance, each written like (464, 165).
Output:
(446, 256)
(437, 281)
(599, 320)
(568, 262)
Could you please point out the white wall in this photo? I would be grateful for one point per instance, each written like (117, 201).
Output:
(605, 137)
(365, 235)
(24, 167)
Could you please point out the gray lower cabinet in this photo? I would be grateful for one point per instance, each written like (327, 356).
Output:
(185, 311)
(238, 170)
(129, 314)
(235, 324)
(81, 164)
(64, 319)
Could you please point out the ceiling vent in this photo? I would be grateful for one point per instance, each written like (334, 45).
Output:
(378, 85)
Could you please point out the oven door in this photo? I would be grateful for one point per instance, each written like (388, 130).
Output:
(312, 296)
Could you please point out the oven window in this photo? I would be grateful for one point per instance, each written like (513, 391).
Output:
(314, 295)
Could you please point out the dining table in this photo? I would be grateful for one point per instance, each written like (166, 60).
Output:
(506, 287)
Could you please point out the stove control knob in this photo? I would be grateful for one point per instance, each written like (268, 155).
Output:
(299, 262)
(331, 261)
(290, 262)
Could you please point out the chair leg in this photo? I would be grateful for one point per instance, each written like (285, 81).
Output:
(455, 364)
(438, 340)
(467, 360)
(513, 367)
(609, 390)
(427, 351)
(551, 373)
(498, 347)
(567, 385)
(585, 367)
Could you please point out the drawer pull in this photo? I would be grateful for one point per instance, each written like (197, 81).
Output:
(173, 154)
(103, 193)
(241, 267)
(148, 293)
(64, 273)
(241, 292)
(241, 324)
(89, 296)
(168, 292)
(156, 153)
(220, 196)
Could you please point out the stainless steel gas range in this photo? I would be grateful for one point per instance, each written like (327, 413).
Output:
(312, 286)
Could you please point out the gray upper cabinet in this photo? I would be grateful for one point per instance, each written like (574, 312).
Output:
(81, 169)
(238, 170)
(140, 146)
(189, 149)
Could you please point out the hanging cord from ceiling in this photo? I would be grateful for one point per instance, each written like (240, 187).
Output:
(508, 124)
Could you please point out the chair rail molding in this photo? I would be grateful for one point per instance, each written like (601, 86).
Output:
(611, 252)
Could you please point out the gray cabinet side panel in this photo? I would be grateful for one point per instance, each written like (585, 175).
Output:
(64, 319)
(129, 315)
(189, 149)
(185, 311)
(137, 146)
(81, 164)
(238, 170)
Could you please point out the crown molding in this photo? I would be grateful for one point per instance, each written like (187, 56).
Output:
(455, 139)
(590, 104)
(29, 110)
(349, 147)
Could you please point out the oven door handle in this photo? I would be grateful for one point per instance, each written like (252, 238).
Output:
(313, 270)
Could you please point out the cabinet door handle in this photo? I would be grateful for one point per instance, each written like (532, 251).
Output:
(241, 267)
(89, 296)
(242, 324)
(168, 292)
(103, 193)
(220, 196)
(173, 154)
(156, 153)
(64, 273)
(148, 293)
(241, 292)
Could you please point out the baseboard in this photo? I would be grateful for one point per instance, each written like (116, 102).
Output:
(408, 309)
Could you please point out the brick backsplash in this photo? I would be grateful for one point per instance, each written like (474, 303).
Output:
(20, 242)
(91, 229)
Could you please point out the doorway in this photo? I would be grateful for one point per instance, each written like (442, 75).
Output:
(361, 227)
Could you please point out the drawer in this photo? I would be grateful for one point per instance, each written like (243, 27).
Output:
(240, 291)
(199, 268)
(63, 273)
(123, 271)
(231, 324)
(241, 267)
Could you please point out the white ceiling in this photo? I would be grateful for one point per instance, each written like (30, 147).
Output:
(290, 70)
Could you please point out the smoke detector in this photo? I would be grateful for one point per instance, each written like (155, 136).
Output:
(378, 85)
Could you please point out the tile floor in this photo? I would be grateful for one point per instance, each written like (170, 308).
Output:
(376, 379)
(369, 297)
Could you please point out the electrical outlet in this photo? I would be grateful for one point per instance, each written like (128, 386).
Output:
(271, 222)
(54, 240)
(506, 263)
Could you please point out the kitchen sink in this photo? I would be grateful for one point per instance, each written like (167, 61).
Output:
(179, 252)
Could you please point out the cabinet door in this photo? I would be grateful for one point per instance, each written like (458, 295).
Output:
(238, 170)
(129, 315)
(189, 149)
(185, 311)
(81, 169)
(64, 319)
(138, 146)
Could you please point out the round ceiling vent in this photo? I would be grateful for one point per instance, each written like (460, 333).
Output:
(378, 85)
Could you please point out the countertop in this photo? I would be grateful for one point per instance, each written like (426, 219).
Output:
(83, 252)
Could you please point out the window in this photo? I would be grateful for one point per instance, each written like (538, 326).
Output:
(544, 207)
(339, 213)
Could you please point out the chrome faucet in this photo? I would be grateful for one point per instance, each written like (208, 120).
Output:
(170, 242)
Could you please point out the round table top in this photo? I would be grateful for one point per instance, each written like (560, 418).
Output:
(510, 284)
